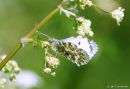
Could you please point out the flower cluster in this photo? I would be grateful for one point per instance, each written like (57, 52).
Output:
(26, 79)
(11, 70)
(51, 62)
(84, 27)
(118, 14)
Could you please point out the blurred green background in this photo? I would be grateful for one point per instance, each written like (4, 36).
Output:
(111, 65)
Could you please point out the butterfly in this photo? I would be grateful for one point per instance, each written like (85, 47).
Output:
(78, 49)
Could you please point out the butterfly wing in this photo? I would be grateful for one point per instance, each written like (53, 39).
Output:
(76, 49)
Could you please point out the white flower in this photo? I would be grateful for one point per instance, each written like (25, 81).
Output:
(52, 61)
(84, 27)
(27, 79)
(67, 12)
(77, 49)
(47, 70)
(2, 82)
(11, 69)
(118, 14)
(25, 40)
(84, 3)
(17, 70)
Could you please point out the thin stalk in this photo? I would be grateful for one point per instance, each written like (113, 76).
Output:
(29, 35)
(100, 9)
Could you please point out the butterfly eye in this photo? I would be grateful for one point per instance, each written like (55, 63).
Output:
(78, 53)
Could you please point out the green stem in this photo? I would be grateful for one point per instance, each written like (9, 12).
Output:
(100, 9)
(29, 35)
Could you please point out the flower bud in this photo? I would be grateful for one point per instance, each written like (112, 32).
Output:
(53, 74)
(17, 70)
(47, 70)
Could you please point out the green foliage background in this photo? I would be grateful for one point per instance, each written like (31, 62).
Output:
(111, 66)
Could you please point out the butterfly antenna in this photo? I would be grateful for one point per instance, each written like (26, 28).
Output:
(40, 33)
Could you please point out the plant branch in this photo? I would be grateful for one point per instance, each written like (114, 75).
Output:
(29, 35)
